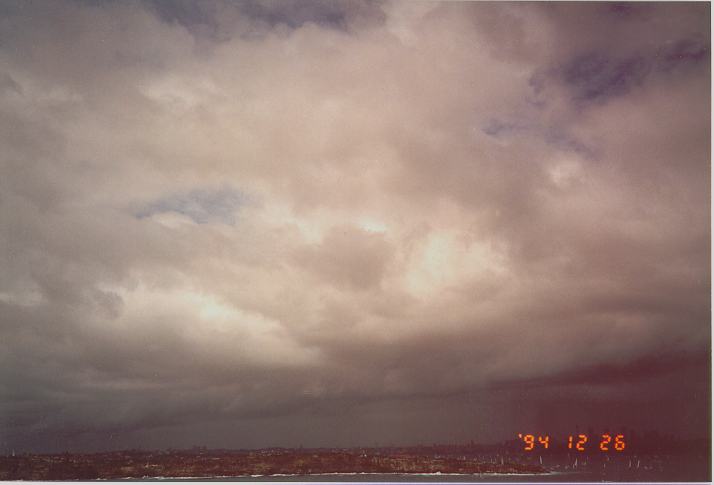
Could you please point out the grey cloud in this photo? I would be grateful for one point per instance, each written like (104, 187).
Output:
(295, 13)
(222, 20)
(264, 223)
(596, 77)
(348, 256)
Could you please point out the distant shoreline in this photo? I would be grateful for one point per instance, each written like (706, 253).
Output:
(348, 474)
(126, 465)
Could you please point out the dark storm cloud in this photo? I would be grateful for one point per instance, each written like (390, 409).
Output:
(637, 371)
(597, 76)
(206, 18)
(295, 13)
(188, 14)
(336, 223)
(594, 76)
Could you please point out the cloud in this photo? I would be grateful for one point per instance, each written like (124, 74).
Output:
(275, 223)
(348, 256)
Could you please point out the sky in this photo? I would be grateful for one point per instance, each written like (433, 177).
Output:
(348, 223)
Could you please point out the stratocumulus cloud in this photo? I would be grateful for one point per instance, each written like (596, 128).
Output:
(335, 223)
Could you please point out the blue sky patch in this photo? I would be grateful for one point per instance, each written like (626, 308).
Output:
(202, 206)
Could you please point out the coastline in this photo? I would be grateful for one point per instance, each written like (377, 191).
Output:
(432, 474)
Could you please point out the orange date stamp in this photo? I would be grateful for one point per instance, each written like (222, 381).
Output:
(607, 442)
